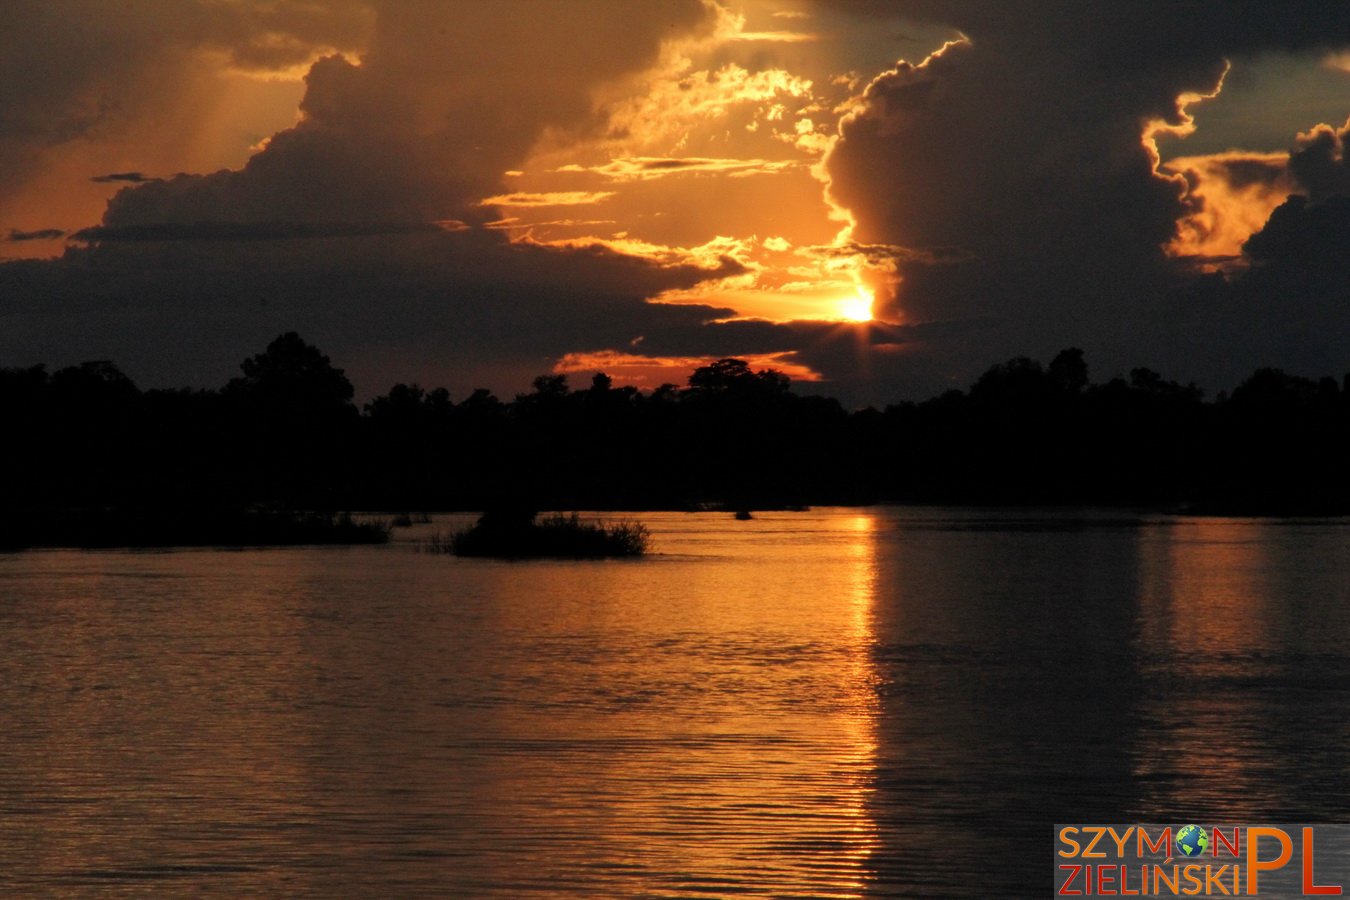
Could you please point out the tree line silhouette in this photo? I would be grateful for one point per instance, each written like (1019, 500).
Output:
(286, 434)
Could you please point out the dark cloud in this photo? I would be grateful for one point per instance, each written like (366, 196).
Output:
(1287, 309)
(884, 255)
(438, 108)
(127, 177)
(42, 234)
(464, 308)
(1006, 180)
(341, 226)
(1320, 163)
(247, 231)
(77, 69)
(1024, 148)
(1305, 239)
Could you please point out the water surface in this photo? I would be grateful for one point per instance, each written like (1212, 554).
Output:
(838, 703)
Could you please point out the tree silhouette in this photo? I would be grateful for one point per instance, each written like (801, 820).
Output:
(293, 376)
(285, 433)
(293, 413)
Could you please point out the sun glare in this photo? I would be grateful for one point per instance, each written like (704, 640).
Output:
(857, 307)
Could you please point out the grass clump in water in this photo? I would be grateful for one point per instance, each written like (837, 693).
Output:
(524, 536)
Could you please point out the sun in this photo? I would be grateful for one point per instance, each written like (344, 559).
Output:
(857, 307)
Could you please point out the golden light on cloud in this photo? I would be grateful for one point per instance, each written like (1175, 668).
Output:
(1231, 196)
(782, 37)
(1338, 61)
(647, 167)
(547, 198)
(1184, 125)
(715, 160)
(711, 256)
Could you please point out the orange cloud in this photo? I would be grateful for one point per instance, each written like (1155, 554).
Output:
(681, 102)
(513, 223)
(547, 198)
(716, 255)
(647, 167)
(1229, 197)
(782, 37)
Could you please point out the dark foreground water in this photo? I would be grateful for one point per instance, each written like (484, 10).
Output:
(840, 703)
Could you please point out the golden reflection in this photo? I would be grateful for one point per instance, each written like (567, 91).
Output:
(1204, 586)
(1204, 609)
(703, 720)
(860, 725)
(763, 744)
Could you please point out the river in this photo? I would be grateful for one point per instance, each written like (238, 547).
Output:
(832, 703)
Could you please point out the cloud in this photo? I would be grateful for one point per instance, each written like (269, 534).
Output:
(1001, 196)
(357, 224)
(777, 37)
(463, 308)
(72, 70)
(127, 177)
(1228, 197)
(550, 198)
(1231, 195)
(440, 91)
(1305, 239)
(884, 256)
(676, 107)
(252, 231)
(648, 167)
(1020, 154)
(1320, 163)
(41, 234)
(1286, 307)
(513, 223)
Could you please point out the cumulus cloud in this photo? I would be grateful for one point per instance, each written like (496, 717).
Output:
(1000, 196)
(1319, 162)
(425, 123)
(62, 82)
(1023, 145)
(355, 225)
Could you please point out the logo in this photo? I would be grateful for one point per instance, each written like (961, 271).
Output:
(1192, 840)
(1230, 860)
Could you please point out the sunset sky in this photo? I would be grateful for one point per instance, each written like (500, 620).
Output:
(882, 196)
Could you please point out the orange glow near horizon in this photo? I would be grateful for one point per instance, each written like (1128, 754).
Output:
(649, 372)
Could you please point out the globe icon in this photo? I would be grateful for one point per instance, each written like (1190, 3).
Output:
(1192, 840)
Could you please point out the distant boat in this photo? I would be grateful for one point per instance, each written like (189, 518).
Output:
(743, 515)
